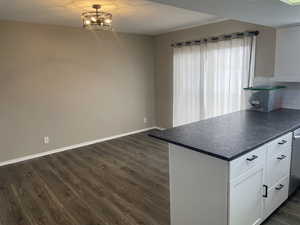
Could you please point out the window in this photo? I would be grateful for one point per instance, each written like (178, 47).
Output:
(209, 78)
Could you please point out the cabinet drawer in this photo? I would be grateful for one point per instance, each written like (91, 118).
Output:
(281, 144)
(248, 161)
(278, 166)
(276, 196)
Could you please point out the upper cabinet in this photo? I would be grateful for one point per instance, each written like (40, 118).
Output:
(287, 64)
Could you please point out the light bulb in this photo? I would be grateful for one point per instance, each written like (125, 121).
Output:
(87, 22)
(108, 21)
(93, 19)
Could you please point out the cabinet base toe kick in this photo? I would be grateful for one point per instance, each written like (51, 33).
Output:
(244, 191)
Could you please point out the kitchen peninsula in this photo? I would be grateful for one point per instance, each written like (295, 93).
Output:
(232, 169)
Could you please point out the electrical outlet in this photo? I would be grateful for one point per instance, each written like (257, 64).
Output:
(46, 140)
(145, 120)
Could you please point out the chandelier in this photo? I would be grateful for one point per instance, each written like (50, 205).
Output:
(97, 20)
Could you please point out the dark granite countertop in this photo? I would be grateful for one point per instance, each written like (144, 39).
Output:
(232, 135)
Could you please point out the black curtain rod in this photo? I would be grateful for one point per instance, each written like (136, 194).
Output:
(216, 38)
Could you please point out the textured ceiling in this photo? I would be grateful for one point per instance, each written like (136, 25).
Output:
(133, 16)
(273, 13)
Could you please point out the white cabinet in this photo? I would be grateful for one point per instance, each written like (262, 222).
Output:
(287, 67)
(248, 161)
(244, 191)
(255, 193)
(276, 196)
(278, 165)
(278, 159)
(246, 203)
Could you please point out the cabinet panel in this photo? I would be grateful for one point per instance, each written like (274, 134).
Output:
(244, 163)
(281, 144)
(287, 52)
(276, 196)
(278, 167)
(246, 203)
(198, 188)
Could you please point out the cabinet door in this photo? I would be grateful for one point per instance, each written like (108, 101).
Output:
(246, 198)
(276, 196)
(288, 52)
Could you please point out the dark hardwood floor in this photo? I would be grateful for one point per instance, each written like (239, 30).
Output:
(118, 182)
(288, 213)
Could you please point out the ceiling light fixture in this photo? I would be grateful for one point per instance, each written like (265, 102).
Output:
(291, 2)
(97, 20)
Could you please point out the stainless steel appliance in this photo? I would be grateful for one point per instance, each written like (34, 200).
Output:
(295, 163)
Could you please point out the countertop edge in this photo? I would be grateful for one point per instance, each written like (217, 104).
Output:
(192, 148)
(224, 157)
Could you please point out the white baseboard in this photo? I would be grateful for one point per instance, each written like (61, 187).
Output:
(73, 146)
(159, 128)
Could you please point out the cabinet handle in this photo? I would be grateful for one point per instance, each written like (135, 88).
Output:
(282, 142)
(265, 195)
(280, 186)
(281, 157)
(252, 158)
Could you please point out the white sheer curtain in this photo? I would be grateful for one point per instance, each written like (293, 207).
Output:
(209, 78)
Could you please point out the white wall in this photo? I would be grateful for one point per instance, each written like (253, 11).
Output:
(291, 96)
(72, 85)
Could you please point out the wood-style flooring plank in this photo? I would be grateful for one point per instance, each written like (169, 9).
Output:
(106, 198)
(124, 181)
(10, 211)
(120, 182)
